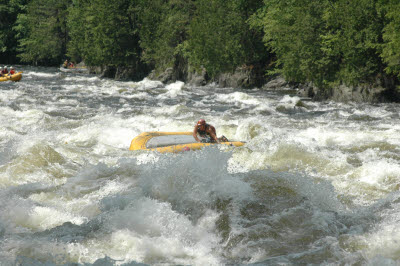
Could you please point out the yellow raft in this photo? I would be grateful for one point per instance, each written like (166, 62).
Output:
(172, 142)
(15, 77)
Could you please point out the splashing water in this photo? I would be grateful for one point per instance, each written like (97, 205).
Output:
(316, 182)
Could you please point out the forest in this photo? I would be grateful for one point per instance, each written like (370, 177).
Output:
(326, 42)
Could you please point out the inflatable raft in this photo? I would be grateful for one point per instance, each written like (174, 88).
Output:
(15, 77)
(172, 142)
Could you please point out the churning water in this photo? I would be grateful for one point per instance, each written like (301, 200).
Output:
(316, 183)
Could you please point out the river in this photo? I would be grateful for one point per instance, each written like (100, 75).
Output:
(316, 182)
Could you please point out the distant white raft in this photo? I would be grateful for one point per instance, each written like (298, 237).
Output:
(172, 142)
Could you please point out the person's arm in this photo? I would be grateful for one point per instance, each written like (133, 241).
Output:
(213, 134)
(195, 134)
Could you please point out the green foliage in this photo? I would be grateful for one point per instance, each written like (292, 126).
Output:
(327, 41)
(9, 10)
(353, 35)
(323, 41)
(45, 30)
(293, 31)
(215, 36)
(210, 34)
(103, 32)
(163, 31)
(391, 36)
(76, 25)
(220, 38)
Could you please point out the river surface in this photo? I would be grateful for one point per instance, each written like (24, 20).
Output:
(316, 182)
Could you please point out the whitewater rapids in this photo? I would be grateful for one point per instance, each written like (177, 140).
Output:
(316, 182)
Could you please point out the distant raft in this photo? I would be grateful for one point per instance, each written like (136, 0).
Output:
(172, 142)
(15, 77)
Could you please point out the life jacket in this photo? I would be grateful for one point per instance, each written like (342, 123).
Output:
(12, 72)
(203, 133)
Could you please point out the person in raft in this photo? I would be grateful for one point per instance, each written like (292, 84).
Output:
(207, 133)
(66, 63)
(12, 71)
(4, 72)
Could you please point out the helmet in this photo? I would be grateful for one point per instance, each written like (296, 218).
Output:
(5, 67)
(11, 68)
(201, 122)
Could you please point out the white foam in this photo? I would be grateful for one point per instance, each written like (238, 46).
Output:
(293, 100)
(84, 78)
(381, 242)
(381, 174)
(330, 136)
(174, 89)
(10, 95)
(42, 218)
(149, 84)
(238, 97)
(139, 96)
(40, 74)
(173, 110)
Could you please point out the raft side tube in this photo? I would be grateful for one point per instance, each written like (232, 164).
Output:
(179, 142)
(140, 142)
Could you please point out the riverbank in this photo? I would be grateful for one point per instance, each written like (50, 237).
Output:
(382, 89)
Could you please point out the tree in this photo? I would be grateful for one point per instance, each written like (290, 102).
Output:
(164, 30)
(391, 36)
(353, 37)
(45, 27)
(220, 38)
(104, 32)
(76, 30)
(9, 11)
(292, 30)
